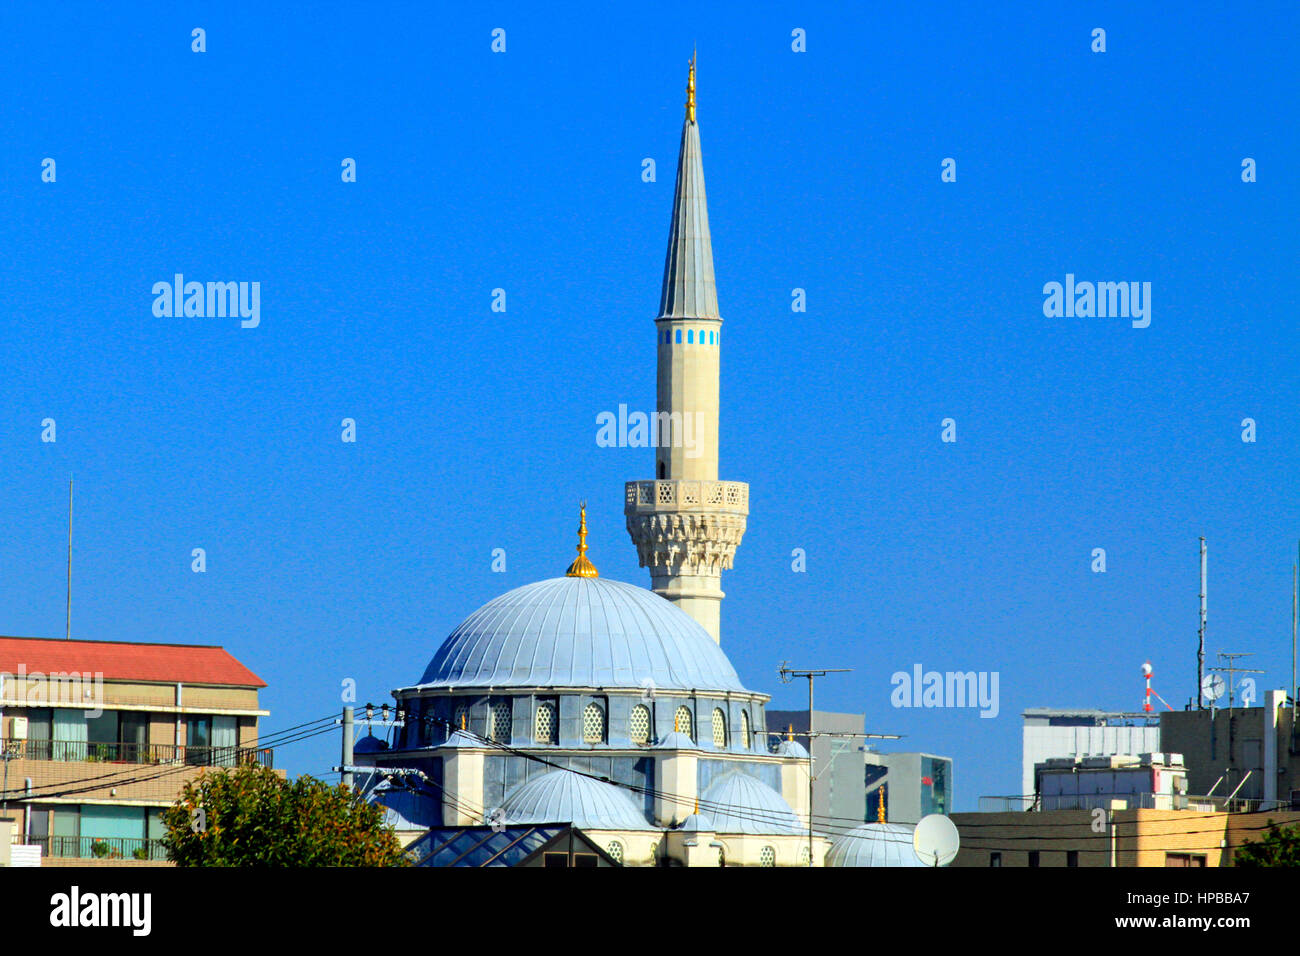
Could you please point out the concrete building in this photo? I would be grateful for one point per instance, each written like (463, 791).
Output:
(1124, 838)
(837, 762)
(1050, 732)
(98, 737)
(1252, 752)
(915, 785)
(1146, 781)
(849, 774)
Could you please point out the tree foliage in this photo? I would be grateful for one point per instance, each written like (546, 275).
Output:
(251, 816)
(1280, 846)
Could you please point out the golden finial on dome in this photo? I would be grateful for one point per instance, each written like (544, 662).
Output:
(582, 567)
(690, 91)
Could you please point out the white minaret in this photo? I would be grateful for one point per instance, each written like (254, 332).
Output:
(686, 524)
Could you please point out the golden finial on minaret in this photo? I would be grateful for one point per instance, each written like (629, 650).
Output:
(880, 808)
(582, 567)
(789, 734)
(690, 92)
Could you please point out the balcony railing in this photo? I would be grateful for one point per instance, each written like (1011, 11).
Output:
(80, 751)
(1124, 801)
(100, 848)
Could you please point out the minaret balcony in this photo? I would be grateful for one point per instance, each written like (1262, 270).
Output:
(667, 495)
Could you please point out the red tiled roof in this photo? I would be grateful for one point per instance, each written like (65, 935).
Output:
(125, 660)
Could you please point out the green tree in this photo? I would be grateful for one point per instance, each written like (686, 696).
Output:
(251, 816)
(1279, 847)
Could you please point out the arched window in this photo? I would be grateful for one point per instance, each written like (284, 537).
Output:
(719, 729)
(499, 722)
(615, 851)
(767, 856)
(460, 717)
(638, 724)
(710, 338)
(744, 730)
(679, 336)
(690, 337)
(593, 724)
(682, 721)
(546, 725)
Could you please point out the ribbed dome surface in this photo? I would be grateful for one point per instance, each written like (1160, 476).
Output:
(874, 844)
(562, 796)
(581, 632)
(739, 803)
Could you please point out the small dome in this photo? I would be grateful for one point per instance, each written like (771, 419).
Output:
(562, 796)
(697, 823)
(369, 744)
(792, 748)
(581, 632)
(739, 803)
(676, 740)
(460, 738)
(404, 810)
(875, 844)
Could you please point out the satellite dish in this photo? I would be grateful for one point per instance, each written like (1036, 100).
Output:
(1146, 669)
(935, 840)
(1212, 686)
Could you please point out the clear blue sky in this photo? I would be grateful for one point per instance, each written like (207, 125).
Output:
(476, 430)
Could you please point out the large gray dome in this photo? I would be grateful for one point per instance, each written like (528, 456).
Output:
(581, 632)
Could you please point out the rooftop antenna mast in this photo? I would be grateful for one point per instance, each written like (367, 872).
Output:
(1200, 651)
(787, 675)
(68, 634)
(1232, 670)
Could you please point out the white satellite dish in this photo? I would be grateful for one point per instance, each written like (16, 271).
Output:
(935, 840)
(1212, 686)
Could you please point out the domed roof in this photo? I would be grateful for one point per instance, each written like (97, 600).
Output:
(369, 744)
(581, 632)
(792, 748)
(562, 796)
(739, 803)
(874, 844)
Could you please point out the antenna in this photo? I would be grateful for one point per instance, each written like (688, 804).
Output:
(68, 635)
(1200, 651)
(1232, 670)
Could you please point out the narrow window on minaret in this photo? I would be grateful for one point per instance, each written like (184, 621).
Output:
(690, 337)
(661, 471)
(710, 338)
(679, 336)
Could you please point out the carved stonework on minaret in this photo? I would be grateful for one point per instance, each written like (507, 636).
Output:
(687, 524)
(687, 527)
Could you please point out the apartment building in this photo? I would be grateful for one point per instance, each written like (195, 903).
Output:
(98, 737)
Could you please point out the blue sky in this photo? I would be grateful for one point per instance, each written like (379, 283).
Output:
(476, 430)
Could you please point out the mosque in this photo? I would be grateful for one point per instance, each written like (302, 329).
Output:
(608, 708)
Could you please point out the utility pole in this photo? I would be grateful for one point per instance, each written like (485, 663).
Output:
(347, 747)
(1200, 651)
(786, 676)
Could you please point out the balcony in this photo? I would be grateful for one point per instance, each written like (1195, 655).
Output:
(100, 848)
(72, 751)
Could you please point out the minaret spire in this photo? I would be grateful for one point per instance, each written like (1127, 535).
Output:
(686, 523)
(689, 290)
